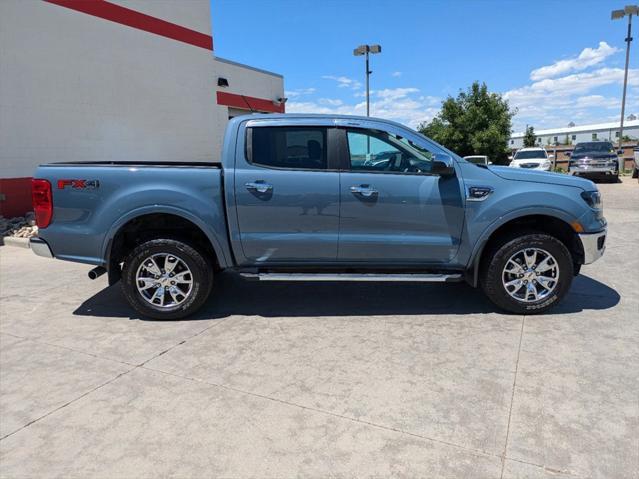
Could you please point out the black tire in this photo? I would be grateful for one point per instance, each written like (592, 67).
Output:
(635, 173)
(496, 258)
(201, 272)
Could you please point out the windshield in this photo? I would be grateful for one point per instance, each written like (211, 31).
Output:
(529, 155)
(481, 160)
(594, 147)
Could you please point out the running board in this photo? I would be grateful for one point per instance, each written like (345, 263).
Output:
(407, 277)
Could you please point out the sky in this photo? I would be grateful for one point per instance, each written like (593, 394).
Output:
(556, 62)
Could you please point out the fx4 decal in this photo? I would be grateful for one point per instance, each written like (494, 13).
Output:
(79, 184)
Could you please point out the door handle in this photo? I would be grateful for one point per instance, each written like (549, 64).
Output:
(258, 186)
(364, 190)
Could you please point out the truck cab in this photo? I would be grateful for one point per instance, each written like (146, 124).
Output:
(320, 198)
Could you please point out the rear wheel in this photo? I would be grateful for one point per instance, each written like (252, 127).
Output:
(527, 274)
(166, 279)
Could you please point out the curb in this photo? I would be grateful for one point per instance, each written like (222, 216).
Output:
(17, 242)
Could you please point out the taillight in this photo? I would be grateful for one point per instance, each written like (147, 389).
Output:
(42, 202)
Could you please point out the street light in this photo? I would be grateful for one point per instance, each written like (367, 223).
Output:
(365, 50)
(628, 11)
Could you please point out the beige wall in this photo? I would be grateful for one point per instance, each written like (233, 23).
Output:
(74, 87)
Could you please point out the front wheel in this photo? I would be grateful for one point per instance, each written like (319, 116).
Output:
(166, 279)
(527, 274)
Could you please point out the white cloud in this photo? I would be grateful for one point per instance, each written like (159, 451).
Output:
(299, 92)
(587, 58)
(394, 93)
(399, 104)
(556, 101)
(396, 74)
(344, 82)
(330, 101)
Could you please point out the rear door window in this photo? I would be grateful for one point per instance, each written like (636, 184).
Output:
(294, 148)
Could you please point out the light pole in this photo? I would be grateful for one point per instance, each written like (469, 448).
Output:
(628, 11)
(365, 50)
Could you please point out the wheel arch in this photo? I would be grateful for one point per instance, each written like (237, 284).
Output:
(552, 224)
(146, 224)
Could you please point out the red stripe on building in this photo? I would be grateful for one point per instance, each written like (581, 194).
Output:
(15, 197)
(126, 16)
(248, 102)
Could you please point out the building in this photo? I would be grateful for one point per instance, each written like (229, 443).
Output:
(570, 135)
(115, 80)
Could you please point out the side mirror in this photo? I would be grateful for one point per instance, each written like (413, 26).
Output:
(442, 165)
(510, 158)
(620, 152)
(567, 153)
(551, 157)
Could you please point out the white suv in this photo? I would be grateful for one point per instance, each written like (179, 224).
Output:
(533, 158)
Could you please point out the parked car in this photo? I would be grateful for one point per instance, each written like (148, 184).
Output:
(532, 158)
(302, 198)
(594, 159)
(635, 168)
(478, 159)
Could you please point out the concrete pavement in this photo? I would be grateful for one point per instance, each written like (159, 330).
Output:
(282, 380)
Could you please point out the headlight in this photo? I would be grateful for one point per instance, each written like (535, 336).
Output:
(593, 198)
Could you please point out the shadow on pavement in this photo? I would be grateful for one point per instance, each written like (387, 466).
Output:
(233, 295)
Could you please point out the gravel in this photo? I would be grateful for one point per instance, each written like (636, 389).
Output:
(19, 227)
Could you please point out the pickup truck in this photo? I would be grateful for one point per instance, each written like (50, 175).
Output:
(319, 198)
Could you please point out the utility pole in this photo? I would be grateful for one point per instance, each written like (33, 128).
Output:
(628, 11)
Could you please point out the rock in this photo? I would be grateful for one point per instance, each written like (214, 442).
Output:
(19, 227)
(30, 218)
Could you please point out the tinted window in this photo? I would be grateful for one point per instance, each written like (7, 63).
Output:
(529, 155)
(288, 147)
(596, 147)
(380, 151)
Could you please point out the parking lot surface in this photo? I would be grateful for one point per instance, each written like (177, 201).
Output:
(284, 380)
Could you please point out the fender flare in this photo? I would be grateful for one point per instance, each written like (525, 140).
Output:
(154, 209)
(478, 249)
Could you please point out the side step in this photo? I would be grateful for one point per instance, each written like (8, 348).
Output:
(405, 277)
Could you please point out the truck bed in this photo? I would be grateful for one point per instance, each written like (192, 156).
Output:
(92, 200)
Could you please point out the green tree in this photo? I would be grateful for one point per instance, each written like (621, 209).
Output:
(529, 137)
(477, 122)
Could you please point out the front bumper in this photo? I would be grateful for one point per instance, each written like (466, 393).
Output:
(539, 167)
(40, 247)
(594, 245)
(586, 170)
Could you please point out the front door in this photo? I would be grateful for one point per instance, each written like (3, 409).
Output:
(287, 197)
(393, 210)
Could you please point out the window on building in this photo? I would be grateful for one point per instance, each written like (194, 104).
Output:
(512, 142)
(372, 150)
(616, 134)
(594, 136)
(556, 139)
(288, 147)
(574, 137)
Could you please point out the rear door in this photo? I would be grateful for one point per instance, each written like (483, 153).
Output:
(287, 194)
(393, 210)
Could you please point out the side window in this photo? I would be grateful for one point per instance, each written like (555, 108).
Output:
(371, 150)
(288, 147)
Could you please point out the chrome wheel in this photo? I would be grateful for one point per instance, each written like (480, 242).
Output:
(164, 280)
(530, 275)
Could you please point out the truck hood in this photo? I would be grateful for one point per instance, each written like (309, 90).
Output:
(536, 176)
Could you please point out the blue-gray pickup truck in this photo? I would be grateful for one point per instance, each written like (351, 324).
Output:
(319, 198)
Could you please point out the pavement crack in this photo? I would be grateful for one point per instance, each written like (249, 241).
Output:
(181, 342)
(477, 452)
(512, 397)
(53, 411)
